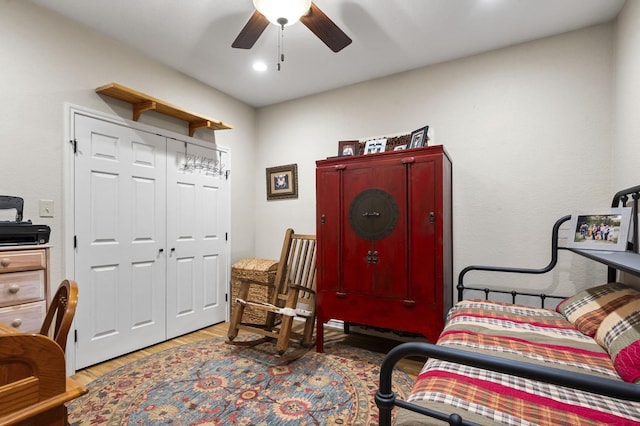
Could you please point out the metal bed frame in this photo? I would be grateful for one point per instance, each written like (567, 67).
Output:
(386, 399)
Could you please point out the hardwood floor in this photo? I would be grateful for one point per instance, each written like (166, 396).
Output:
(376, 344)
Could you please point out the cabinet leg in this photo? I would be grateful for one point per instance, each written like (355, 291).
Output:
(320, 336)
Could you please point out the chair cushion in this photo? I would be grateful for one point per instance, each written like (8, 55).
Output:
(619, 334)
(587, 308)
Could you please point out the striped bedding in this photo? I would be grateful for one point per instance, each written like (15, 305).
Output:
(538, 336)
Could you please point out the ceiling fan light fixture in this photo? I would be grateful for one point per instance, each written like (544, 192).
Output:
(282, 12)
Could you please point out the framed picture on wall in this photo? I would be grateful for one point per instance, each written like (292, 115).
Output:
(605, 230)
(418, 138)
(282, 182)
(348, 148)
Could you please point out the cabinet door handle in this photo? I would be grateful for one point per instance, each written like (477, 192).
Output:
(14, 288)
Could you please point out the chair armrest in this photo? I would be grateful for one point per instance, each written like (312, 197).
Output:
(301, 288)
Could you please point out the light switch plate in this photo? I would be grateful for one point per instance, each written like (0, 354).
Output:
(46, 208)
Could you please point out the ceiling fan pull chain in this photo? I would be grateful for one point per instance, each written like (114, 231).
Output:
(282, 22)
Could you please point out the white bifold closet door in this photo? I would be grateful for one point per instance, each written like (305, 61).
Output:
(151, 251)
(197, 227)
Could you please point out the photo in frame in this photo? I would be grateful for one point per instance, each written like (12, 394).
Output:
(374, 146)
(606, 230)
(348, 148)
(418, 138)
(282, 182)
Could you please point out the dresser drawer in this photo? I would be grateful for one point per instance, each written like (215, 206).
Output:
(21, 287)
(26, 318)
(27, 260)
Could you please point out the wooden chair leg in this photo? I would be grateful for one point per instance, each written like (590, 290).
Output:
(309, 325)
(285, 334)
(236, 318)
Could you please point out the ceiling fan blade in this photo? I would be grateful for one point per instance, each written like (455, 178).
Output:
(251, 31)
(325, 29)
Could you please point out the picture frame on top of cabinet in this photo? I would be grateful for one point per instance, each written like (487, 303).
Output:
(282, 182)
(348, 148)
(418, 138)
(374, 146)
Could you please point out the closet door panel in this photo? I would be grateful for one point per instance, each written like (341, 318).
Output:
(197, 234)
(120, 229)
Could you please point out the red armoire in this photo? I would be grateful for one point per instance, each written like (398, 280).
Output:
(384, 231)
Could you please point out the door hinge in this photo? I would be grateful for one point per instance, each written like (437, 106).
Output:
(75, 336)
(226, 236)
(75, 242)
(226, 174)
(74, 143)
(226, 297)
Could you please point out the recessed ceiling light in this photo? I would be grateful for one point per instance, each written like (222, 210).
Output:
(259, 66)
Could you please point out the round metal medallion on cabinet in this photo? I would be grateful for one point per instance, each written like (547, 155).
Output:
(373, 214)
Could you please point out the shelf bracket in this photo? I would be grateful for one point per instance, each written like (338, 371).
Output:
(195, 125)
(141, 107)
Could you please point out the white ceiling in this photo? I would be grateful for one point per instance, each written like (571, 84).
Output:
(389, 36)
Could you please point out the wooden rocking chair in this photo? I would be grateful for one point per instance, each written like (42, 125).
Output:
(292, 295)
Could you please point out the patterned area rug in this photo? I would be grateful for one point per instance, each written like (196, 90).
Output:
(212, 383)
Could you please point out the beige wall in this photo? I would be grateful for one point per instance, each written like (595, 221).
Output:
(48, 61)
(626, 106)
(528, 128)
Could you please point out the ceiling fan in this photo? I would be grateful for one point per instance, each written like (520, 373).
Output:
(287, 12)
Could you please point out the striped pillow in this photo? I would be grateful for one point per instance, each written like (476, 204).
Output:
(619, 334)
(587, 308)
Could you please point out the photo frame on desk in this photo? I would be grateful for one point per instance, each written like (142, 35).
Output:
(282, 182)
(418, 138)
(604, 230)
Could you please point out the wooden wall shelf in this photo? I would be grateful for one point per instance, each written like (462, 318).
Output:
(143, 103)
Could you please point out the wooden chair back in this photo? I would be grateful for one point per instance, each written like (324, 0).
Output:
(297, 267)
(62, 309)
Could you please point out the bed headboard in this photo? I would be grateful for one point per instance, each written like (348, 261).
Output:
(625, 198)
(629, 198)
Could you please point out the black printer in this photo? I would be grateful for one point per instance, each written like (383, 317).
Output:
(18, 232)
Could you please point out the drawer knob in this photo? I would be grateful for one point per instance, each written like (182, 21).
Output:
(5, 261)
(14, 288)
(16, 323)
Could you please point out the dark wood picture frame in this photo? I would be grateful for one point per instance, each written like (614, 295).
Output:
(418, 138)
(282, 182)
(348, 148)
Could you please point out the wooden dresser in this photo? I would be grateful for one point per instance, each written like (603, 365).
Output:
(24, 286)
(384, 229)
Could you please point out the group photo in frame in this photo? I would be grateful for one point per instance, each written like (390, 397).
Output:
(606, 230)
(374, 146)
(418, 138)
(282, 182)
